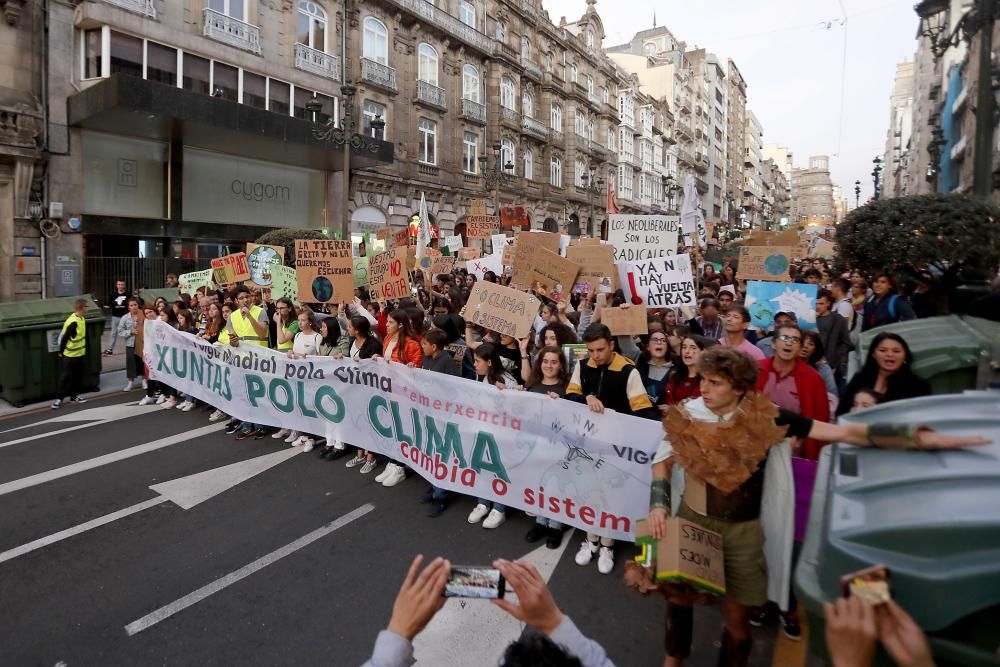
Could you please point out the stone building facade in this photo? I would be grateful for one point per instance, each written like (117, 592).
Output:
(812, 194)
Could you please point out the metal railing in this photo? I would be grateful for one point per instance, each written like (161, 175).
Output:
(448, 23)
(533, 126)
(473, 111)
(144, 7)
(510, 116)
(532, 69)
(379, 74)
(231, 31)
(100, 273)
(431, 94)
(318, 62)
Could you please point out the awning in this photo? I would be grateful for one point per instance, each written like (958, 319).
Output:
(130, 106)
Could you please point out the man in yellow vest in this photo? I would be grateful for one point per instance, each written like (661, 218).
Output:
(73, 351)
(248, 325)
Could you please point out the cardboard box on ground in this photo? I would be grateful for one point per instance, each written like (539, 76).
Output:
(688, 554)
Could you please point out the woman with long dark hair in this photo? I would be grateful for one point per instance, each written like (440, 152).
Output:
(683, 382)
(888, 370)
(549, 373)
(654, 364)
(364, 345)
(814, 354)
(286, 323)
(401, 342)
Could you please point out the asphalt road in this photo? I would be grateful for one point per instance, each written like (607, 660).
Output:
(297, 562)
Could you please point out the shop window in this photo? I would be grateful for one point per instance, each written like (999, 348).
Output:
(161, 63)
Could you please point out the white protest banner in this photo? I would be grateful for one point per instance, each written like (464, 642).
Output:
(637, 237)
(557, 459)
(190, 282)
(663, 282)
(480, 265)
(500, 241)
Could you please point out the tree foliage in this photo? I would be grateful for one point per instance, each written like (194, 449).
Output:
(955, 234)
(287, 238)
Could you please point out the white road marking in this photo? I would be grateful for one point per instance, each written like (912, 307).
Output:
(197, 596)
(102, 416)
(184, 491)
(89, 464)
(484, 628)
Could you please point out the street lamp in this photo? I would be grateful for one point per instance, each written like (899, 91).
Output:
(499, 176)
(979, 19)
(876, 174)
(671, 188)
(593, 184)
(857, 194)
(934, 148)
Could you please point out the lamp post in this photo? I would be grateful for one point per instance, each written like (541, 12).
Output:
(671, 188)
(857, 194)
(499, 176)
(978, 20)
(934, 148)
(876, 176)
(593, 184)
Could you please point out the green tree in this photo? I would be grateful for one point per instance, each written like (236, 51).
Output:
(955, 235)
(287, 238)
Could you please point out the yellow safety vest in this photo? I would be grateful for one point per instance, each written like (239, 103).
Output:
(244, 329)
(287, 345)
(77, 345)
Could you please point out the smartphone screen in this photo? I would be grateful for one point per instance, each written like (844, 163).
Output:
(871, 584)
(485, 583)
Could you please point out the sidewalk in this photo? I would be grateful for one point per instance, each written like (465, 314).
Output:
(112, 379)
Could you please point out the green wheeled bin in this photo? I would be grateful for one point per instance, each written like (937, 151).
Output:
(932, 518)
(29, 341)
(952, 353)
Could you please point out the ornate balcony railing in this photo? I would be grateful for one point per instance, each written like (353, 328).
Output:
(474, 111)
(510, 116)
(556, 136)
(318, 62)
(532, 69)
(448, 23)
(598, 150)
(144, 7)
(231, 31)
(534, 127)
(378, 74)
(431, 94)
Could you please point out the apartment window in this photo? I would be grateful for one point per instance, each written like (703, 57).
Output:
(328, 105)
(428, 141)
(555, 118)
(311, 25)
(225, 81)
(590, 85)
(590, 39)
(234, 8)
(427, 64)
(93, 58)
(579, 172)
(525, 47)
(467, 13)
(580, 124)
(527, 106)
(370, 110)
(300, 98)
(470, 152)
(500, 31)
(718, 172)
(507, 93)
(590, 130)
(376, 41)
(611, 139)
(279, 98)
(161, 63)
(555, 172)
(529, 165)
(507, 155)
(605, 96)
(197, 73)
(549, 63)
(718, 96)
(572, 73)
(126, 54)
(470, 83)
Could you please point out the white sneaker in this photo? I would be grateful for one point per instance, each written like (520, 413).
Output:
(494, 519)
(186, 406)
(161, 399)
(128, 386)
(283, 433)
(606, 560)
(145, 384)
(56, 403)
(146, 400)
(308, 445)
(216, 416)
(292, 437)
(368, 466)
(299, 441)
(395, 477)
(586, 552)
(385, 472)
(169, 403)
(477, 513)
(356, 461)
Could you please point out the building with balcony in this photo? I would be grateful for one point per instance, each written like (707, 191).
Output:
(753, 177)
(735, 140)
(812, 194)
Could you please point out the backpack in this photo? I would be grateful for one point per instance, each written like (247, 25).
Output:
(892, 305)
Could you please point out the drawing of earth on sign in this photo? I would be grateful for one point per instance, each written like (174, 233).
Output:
(776, 264)
(259, 262)
(322, 289)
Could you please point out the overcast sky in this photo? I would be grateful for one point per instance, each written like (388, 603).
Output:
(792, 55)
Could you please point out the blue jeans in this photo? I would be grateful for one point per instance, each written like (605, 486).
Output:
(550, 523)
(493, 505)
(438, 494)
(115, 319)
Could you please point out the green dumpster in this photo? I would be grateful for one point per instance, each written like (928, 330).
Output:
(950, 352)
(933, 518)
(29, 342)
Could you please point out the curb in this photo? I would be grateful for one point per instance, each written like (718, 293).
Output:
(111, 383)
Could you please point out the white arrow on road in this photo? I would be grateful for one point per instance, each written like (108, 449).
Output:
(485, 629)
(96, 417)
(185, 492)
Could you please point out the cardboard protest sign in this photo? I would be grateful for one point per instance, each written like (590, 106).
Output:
(399, 238)
(626, 321)
(501, 309)
(481, 226)
(383, 233)
(453, 243)
(469, 253)
(387, 275)
(190, 282)
(284, 283)
(360, 270)
(553, 275)
(637, 237)
(230, 269)
(766, 262)
(477, 207)
(687, 554)
(513, 217)
(789, 237)
(662, 282)
(759, 237)
(524, 252)
(441, 265)
(597, 267)
(260, 260)
(823, 248)
(480, 265)
(764, 299)
(324, 269)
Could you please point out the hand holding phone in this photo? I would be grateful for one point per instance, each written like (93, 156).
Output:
(871, 584)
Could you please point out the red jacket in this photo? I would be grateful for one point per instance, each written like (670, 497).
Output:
(813, 401)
